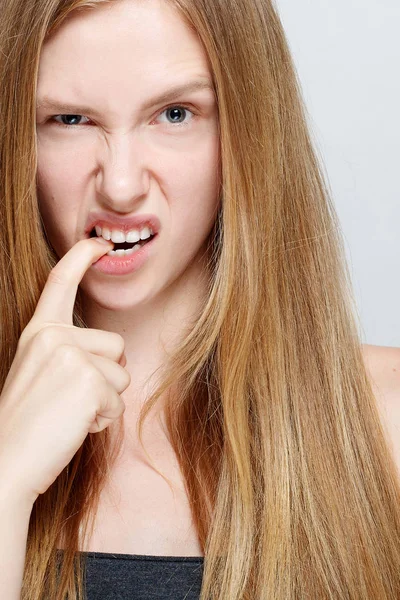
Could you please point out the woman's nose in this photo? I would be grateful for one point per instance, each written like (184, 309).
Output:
(122, 174)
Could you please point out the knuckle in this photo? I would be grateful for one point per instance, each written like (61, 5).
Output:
(47, 337)
(95, 380)
(67, 355)
(127, 379)
(101, 394)
(119, 342)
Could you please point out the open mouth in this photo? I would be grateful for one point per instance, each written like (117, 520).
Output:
(125, 245)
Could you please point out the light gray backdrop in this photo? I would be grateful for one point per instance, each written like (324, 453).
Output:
(347, 56)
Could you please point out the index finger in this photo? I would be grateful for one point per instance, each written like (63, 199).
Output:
(56, 303)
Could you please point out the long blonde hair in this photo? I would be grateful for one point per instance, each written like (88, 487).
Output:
(294, 491)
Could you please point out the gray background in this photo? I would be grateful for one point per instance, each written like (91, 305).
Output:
(347, 56)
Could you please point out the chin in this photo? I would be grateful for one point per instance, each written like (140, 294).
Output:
(115, 296)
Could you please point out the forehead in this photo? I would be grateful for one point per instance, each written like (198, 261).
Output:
(127, 46)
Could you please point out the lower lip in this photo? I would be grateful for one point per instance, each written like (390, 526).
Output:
(121, 265)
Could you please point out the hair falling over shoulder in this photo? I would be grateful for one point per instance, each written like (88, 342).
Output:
(293, 489)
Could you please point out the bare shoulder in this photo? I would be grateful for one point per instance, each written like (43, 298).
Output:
(383, 367)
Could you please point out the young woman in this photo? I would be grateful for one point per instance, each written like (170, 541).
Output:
(186, 408)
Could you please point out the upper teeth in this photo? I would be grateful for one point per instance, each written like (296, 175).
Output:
(118, 237)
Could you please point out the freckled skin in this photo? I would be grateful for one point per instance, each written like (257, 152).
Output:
(130, 161)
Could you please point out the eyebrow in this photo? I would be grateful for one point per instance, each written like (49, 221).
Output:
(168, 95)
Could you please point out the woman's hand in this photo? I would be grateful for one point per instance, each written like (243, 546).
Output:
(64, 382)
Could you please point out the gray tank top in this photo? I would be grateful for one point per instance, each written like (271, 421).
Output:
(142, 577)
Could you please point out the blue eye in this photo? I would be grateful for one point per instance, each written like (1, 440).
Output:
(178, 117)
(177, 111)
(72, 117)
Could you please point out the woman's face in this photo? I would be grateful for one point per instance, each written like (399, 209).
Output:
(125, 152)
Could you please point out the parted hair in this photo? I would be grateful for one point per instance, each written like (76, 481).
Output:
(293, 488)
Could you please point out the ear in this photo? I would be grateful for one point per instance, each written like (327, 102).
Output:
(383, 367)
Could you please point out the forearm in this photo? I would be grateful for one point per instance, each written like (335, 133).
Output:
(14, 522)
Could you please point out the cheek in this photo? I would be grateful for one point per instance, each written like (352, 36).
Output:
(61, 167)
(58, 198)
(193, 199)
(197, 186)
